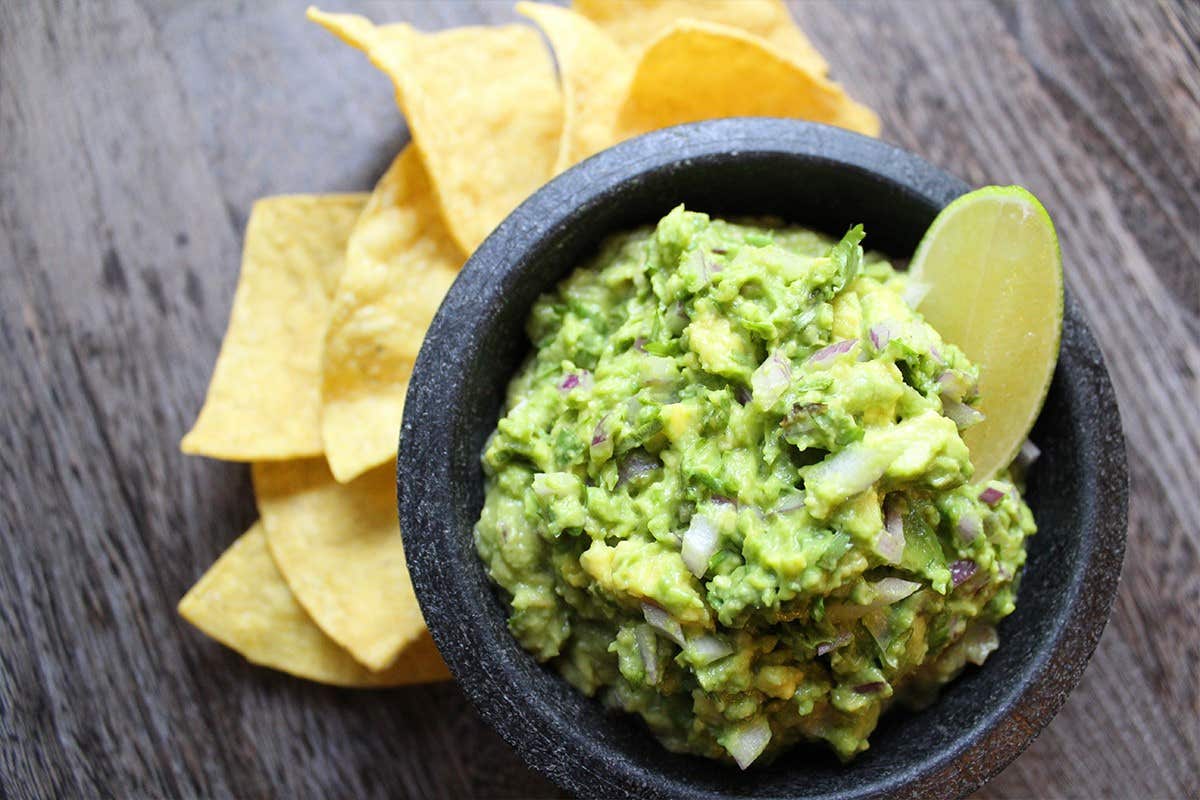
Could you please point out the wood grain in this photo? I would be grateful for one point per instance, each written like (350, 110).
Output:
(133, 139)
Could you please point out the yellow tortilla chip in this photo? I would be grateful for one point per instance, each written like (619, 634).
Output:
(244, 603)
(637, 23)
(338, 547)
(483, 107)
(264, 401)
(701, 70)
(594, 72)
(400, 261)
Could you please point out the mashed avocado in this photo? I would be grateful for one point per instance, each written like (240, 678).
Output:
(728, 492)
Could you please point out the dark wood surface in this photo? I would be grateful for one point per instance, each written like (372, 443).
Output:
(134, 137)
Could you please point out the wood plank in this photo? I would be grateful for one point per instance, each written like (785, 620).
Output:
(134, 139)
(982, 95)
(109, 318)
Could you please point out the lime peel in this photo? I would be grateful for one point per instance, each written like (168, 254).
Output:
(993, 265)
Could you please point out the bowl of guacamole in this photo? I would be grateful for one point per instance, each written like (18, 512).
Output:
(685, 497)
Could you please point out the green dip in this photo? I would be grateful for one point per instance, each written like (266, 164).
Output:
(728, 492)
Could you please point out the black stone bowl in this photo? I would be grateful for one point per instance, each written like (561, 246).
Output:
(820, 177)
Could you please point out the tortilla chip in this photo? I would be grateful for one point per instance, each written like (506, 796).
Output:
(400, 261)
(594, 72)
(483, 107)
(338, 547)
(701, 70)
(244, 603)
(264, 401)
(636, 23)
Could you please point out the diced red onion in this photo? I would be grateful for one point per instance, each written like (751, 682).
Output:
(647, 647)
(664, 622)
(639, 344)
(876, 623)
(915, 292)
(855, 469)
(708, 648)
(890, 542)
(980, 641)
(835, 349)
(969, 526)
(841, 640)
(600, 434)
(708, 267)
(880, 335)
(1028, 454)
(677, 314)
(875, 687)
(658, 370)
(893, 590)
(748, 742)
(962, 570)
(771, 379)
(991, 495)
(742, 395)
(962, 414)
(576, 380)
(789, 503)
(636, 464)
(937, 355)
(699, 543)
(722, 500)
(953, 385)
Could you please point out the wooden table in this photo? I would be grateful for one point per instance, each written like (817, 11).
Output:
(133, 139)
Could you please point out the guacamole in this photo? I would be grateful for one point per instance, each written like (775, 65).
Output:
(728, 491)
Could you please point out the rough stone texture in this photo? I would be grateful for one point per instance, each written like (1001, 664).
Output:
(818, 176)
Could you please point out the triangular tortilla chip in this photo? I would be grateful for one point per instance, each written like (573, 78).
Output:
(264, 401)
(400, 261)
(483, 108)
(244, 603)
(701, 70)
(338, 547)
(594, 72)
(636, 23)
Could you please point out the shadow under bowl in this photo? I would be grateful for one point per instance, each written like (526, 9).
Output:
(820, 177)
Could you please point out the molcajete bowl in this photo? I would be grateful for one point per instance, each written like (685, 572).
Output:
(823, 178)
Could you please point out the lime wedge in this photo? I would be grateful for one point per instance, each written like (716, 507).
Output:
(994, 270)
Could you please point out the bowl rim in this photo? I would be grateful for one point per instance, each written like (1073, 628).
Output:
(427, 440)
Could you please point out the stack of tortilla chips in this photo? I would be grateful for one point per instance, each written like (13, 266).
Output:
(336, 291)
